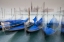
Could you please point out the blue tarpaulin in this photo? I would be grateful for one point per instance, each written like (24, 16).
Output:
(17, 28)
(35, 26)
(62, 26)
(14, 22)
(48, 31)
(35, 19)
(52, 22)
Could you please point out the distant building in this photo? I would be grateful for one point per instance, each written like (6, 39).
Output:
(48, 10)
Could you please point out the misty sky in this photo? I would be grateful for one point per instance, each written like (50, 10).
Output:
(55, 4)
(26, 3)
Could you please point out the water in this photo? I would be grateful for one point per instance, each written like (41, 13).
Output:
(21, 36)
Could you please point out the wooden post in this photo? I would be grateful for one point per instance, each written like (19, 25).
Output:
(31, 7)
(47, 14)
(43, 13)
(2, 12)
(15, 13)
(29, 14)
(60, 21)
(37, 9)
(60, 14)
(53, 23)
(27, 23)
(11, 13)
(43, 7)
(20, 13)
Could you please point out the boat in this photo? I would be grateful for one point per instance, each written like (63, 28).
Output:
(35, 27)
(62, 25)
(36, 24)
(51, 26)
(62, 22)
(15, 22)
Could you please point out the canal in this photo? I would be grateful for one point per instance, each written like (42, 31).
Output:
(22, 36)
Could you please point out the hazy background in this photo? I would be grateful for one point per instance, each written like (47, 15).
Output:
(55, 4)
(23, 4)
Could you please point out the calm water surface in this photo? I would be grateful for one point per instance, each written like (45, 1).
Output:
(22, 36)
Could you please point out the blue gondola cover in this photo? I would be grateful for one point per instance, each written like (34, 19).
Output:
(39, 22)
(62, 26)
(48, 31)
(52, 22)
(17, 28)
(35, 19)
(14, 22)
(35, 26)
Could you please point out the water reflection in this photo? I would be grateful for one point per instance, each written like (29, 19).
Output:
(21, 36)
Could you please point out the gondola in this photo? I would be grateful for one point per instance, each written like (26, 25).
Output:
(35, 27)
(49, 30)
(62, 22)
(62, 25)
(15, 23)
(36, 24)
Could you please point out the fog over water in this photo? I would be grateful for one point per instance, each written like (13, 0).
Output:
(25, 4)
